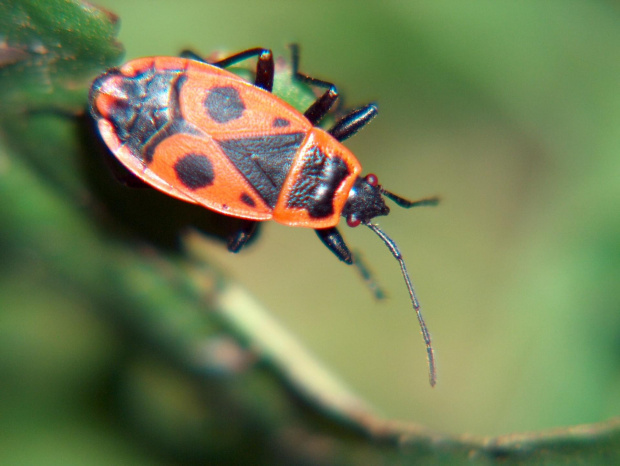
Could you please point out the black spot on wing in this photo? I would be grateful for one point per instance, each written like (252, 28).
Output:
(195, 171)
(264, 161)
(247, 200)
(280, 123)
(224, 104)
(315, 188)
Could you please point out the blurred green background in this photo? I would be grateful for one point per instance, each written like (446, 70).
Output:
(510, 111)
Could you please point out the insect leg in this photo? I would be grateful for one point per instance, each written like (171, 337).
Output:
(264, 68)
(351, 123)
(192, 56)
(332, 238)
(367, 275)
(334, 241)
(323, 104)
(240, 237)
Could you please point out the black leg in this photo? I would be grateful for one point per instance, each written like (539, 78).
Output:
(239, 238)
(323, 104)
(332, 238)
(368, 276)
(264, 67)
(353, 122)
(192, 56)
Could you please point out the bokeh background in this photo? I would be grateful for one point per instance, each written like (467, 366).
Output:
(510, 111)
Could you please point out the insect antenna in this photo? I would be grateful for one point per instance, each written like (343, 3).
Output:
(401, 201)
(432, 375)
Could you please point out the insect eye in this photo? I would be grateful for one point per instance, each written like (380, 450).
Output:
(372, 180)
(353, 221)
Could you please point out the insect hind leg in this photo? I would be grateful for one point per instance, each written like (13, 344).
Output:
(264, 67)
(240, 238)
(191, 55)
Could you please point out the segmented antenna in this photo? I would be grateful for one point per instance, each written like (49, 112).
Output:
(432, 375)
(401, 201)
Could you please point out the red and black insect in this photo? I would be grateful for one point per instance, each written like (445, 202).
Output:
(204, 135)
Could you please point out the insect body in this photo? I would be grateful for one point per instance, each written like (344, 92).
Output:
(204, 135)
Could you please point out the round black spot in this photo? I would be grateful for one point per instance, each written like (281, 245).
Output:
(280, 123)
(247, 200)
(195, 171)
(224, 104)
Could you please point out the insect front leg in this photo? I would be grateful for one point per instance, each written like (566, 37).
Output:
(334, 241)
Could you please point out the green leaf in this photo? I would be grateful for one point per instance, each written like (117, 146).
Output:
(50, 51)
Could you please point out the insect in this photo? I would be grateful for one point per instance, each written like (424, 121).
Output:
(204, 135)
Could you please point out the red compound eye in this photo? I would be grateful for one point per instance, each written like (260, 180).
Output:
(353, 221)
(372, 180)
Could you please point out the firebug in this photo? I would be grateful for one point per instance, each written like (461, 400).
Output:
(206, 136)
